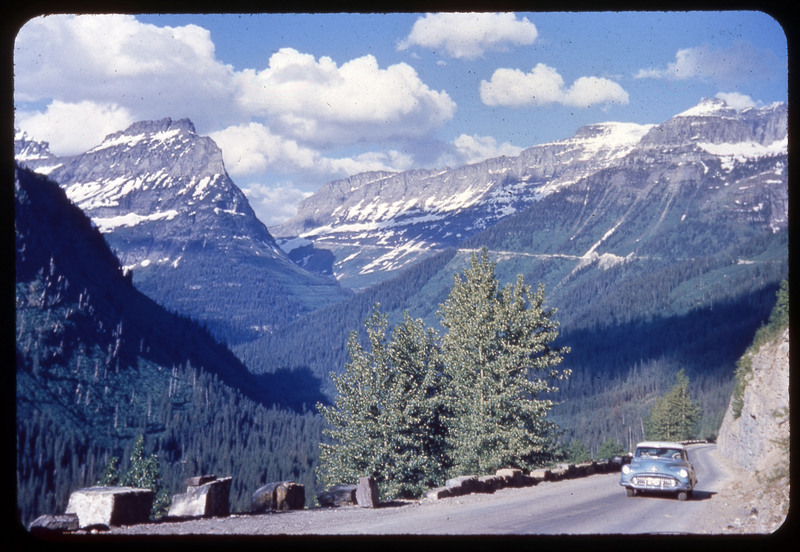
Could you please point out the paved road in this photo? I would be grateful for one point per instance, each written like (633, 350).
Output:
(590, 505)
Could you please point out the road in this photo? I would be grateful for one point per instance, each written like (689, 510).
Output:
(590, 505)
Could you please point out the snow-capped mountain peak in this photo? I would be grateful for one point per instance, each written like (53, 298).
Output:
(162, 197)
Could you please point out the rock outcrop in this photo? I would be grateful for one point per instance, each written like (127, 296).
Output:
(757, 441)
(753, 439)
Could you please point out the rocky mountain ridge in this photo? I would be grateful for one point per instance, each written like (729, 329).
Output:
(376, 223)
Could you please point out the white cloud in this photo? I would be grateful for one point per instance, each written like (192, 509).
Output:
(469, 35)
(319, 102)
(588, 91)
(544, 85)
(59, 126)
(252, 149)
(151, 71)
(391, 160)
(473, 149)
(274, 204)
(736, 100)
(741, 61)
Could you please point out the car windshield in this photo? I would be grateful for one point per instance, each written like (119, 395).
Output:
(659, 452)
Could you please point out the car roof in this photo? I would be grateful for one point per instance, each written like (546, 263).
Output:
(660, 444)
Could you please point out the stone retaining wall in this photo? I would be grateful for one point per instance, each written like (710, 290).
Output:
(512, 477)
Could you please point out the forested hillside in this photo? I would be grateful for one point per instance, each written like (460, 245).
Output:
(98, 363)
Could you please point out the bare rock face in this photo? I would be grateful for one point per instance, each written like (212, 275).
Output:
(110, 506)
(752, 439)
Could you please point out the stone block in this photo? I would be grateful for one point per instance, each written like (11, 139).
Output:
(541, 474)
(210, 499)
(110, 506)
(49, 523)
(338, 495)
(529, 480)
(278, 496)
(367, 493)
(512, 475)
(464, 484)
(491, 483)
(569, 470)
(200, 480)
(439, 493)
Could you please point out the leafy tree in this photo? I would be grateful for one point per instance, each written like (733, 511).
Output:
(385, 422)
(499, 365)
(675, 416)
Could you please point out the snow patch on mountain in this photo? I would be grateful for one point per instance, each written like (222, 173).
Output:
(124, 140)
(715, 107)
(741, 152)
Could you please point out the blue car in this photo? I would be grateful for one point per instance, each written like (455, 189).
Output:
(661, 467)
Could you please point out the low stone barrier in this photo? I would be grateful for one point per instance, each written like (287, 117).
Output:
(107, 506)
(205, 496)
(514, 477)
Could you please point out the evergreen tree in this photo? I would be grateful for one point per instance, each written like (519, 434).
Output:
(143, 473)
(385, 422)
(675, 416)
(499, 366)
(110, 476)
(609, 449)
(577, 452)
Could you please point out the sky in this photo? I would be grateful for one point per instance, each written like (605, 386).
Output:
(297, 100)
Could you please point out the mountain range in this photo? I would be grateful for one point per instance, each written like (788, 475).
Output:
(375, 223)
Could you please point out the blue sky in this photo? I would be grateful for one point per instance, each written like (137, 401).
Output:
(295, 101)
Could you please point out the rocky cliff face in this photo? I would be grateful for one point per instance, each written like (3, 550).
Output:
(757, 443)
(752, 440)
